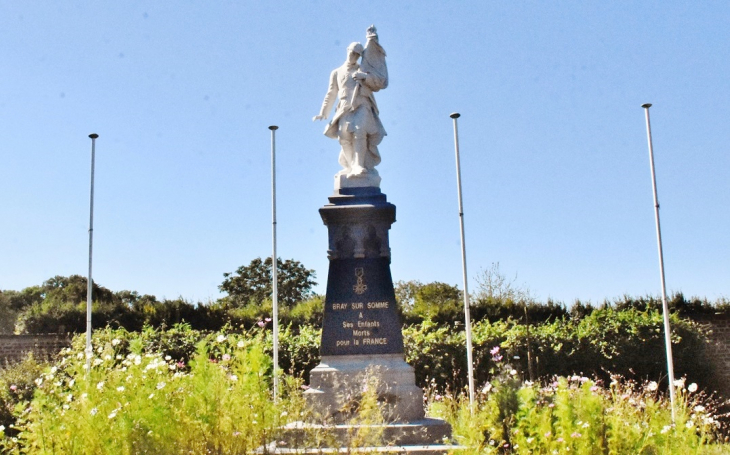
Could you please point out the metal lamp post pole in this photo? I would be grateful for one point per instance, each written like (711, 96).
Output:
(467, 314)
(274, 263)
(89, 281)
(665, 307)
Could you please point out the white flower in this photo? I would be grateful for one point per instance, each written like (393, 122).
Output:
(97, 362)
(487, 388)
(692, 387)
(529, 440)
(70, 397)
(116, 341)
(513, 372)
(160, 385)
(652, 386)
(240, 344)
(234, 378)
(679, 383)
(71, 382)
(66, 407)
(107, 357)
(689, 424)
(699, 408)
(168, 358)
(2, 428)
(137, 359)
(53, 370)
(152, 395)
(221, 338)
(100, 385)
(39, 382)
(120, 388)
(84, 395)
(113, 413)
(94, 411)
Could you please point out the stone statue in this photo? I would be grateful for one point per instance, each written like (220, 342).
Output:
(356, 122)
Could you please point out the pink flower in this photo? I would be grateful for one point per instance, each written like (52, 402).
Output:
(13, 387)
(226, 357)
(261, 323)
(494, 350)
(267, 319)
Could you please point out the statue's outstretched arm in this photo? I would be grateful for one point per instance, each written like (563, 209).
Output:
(329, 98)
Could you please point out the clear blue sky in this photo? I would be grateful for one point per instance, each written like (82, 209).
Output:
(555, 164)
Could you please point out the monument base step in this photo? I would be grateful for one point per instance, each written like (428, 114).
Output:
(423, 432)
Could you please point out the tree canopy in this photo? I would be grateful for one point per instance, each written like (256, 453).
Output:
(252, 283)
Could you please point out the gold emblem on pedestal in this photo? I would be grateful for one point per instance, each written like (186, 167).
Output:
(360, 287)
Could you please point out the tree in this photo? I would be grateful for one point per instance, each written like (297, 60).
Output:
(251, 284)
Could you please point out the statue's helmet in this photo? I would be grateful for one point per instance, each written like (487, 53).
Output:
(355, 47)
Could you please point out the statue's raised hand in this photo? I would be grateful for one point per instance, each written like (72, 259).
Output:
(319, 117)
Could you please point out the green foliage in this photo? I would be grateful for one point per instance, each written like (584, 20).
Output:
(16, 388)
(575, 415)
(252, 283)
(630, 343)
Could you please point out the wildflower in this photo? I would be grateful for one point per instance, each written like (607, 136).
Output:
(679, 383)
(39, 382)
(267, 319)
(516, 357)
(180, 364)
(226, 357)
(70, 397)
(94, 411)
(113, 414)
(529, 440)
(652, 386)
(108, 357)
(689, 424)
(13, 387)
(152, 395)
(561, 440)
(699, 408)
(116, 341)
(548, 434)
(666, 428)
(220, 338)
(692, 387)
(585, 425)
(494, 350)
(240, 344)
(160, 385)
(487, 387)
(2, 428)
(120, 388)
(284, 414)
(513, 372)
(234, 378)
(137, 359)
(100, 385)
(66, 407)
(261, 323)
(168, 358)
(594, 388)
(576, 435)
(71, 382)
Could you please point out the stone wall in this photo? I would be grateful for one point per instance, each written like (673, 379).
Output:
(15, 347)
(718, 327)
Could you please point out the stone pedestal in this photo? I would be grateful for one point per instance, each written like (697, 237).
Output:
(361, 334)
